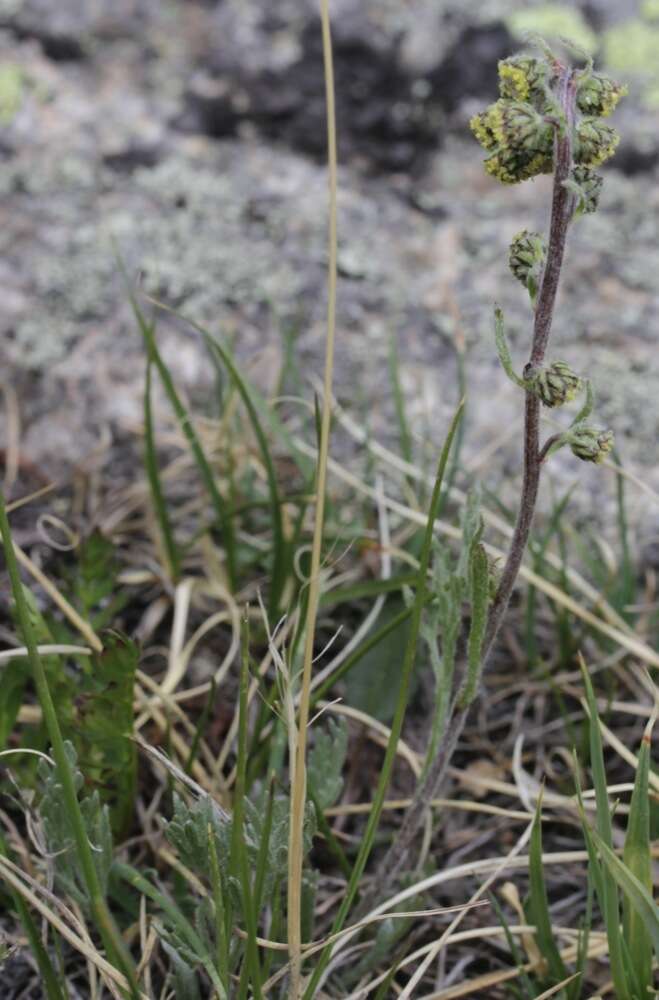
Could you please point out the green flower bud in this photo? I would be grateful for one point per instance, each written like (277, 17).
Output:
(589, 185)
(522, 78)
(519, 139)
(511, 167)
(596, 142)
(598, 95)
(517, 125)
(591, 444)
(480, 125)
(556, 384)
(527, 258)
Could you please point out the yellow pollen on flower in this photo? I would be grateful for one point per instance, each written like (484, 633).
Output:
(513, 82)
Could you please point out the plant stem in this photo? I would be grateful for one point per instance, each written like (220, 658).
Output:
(562, 210)
(298, 765)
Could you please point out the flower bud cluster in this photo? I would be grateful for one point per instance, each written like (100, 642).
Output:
(591, 444)
(595, 142)
(517, 131)
(598, 95)
(556, 384)
(589, 186)
(526, 258)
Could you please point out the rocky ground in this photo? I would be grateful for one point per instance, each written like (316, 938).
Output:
(189, 137)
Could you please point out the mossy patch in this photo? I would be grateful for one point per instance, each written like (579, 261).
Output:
(553, 21)
(631, 50)
(12, 84)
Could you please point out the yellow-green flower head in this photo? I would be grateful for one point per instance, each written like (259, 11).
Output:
(591, 444)
(510, 166)
(522, 78)
(557, 384)
(590, 185)
(527, 258)
(596, 142)
(517, 125)
(518, 138)
(599, 95)
(481, 127)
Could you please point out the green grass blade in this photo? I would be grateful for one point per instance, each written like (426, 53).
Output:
(637, 894)
(326, 830)
(116, 950)
(221, 946)
(264, 846)
(365, 647)
(638, 861)
(224, 521)
(397, 723)
(515, 951)
(182, 925)
(624, 594)
(538, 906)
(608, 895)
(366, 588)
(239, 861)
(399, 402)
(281, 556)
(574, 991)
(200, 728)
(155, 484)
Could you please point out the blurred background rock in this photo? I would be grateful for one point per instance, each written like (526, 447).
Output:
(190, 136)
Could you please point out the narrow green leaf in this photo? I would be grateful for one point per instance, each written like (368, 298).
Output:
(515, 951)
(637, 894)
(366, 588)
(239, 859)
(399, 401)
(479, 586)
(178, 921)
(217, 886)
(200, 728)
(588, 405)
(281, 557)
(224, 521)
(638, 861)
(503, 350)
(153, 477)
(608, 894)
(538, 905)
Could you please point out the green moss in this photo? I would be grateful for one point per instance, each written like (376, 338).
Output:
(632, 47)
(553, 21)
(12, 83)
(650, 9)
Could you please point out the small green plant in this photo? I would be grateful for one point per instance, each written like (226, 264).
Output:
(548, 119)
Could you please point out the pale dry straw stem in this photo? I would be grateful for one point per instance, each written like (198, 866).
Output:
(471, 869)
(16, 878)
(408, 993)
(466, 870)
(48, 649)
(597, 946)
(298, 776)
